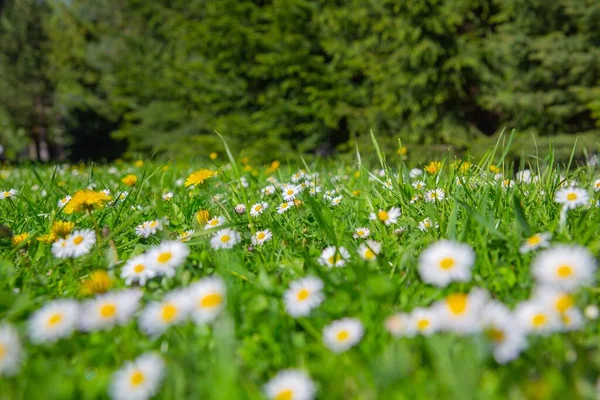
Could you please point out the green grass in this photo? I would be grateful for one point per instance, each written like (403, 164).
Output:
(253, 338)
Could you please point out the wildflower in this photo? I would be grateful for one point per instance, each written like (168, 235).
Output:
(361, 233)
(165, 258)
(369, 250)
(129, 180)
(503, 331)
(507, 183)
(290, 384)
(427, 224)
(202, 217)
(387, 217)
(415, 172)
(446, 261)
(283, 207)
(47, 238)
(207, 299)
(494, 169)
(418, 185)
(396, 324)
(185, 235)
(158, 316)
(565, 267)
(571, 197)
(11, 352)
(214, 222)
(597, 185)
(97, 282)
(290, 192)
(138, 379)
(460, 312)
(558, 300)
(198, 177)
(536, 317)
(17, 240)
(269, 190)
(525, 176)
(303, 296)
(402, 151)
(55, 320)
(273, 167)
(461, 166)
(415, 198)
(261, 237)
(423, 321)
(139, 163)
(225, 239)
(80, 242)
(434, 195)
(334, 257)
(298, 176)
(240, 208)
(86, 201)
(63, 202)
(8, 194)
(342, 334)
(571, 320)
(592, 312)
(61, 249)
(213, 156)
(313, 191)
(62, 228)
(258, 209)
(148, 228)
(433, 167)
(336, 200)
(537, 241)
(110, 309)
(138, 270)
(167, 196)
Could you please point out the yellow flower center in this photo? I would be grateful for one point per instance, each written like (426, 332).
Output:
(290, 192)
(137, 378)
(495, 335)
(258, 208)
(564, 271)
(369, 255)
(55, 319)
(572, 196)
(6, 194)
(286, 394)
(78, 239)
(564, 302)
(164, 257)
(108, 310)
(214, 222)
(211, 300)
(138, 268)
(2, 351)
(535, 239)
(303, 294)
(423, 324)
(383, 215)
(169, 312)
(342, 336)
(457, 303)
(447, 263)
(539, 320)
(225, 238)
(260, 235)
(360, 233)
(153, 224)
(334, 259)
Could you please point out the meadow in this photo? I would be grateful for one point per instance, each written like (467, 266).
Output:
(221, 279)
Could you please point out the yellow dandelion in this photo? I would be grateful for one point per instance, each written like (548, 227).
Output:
(402, 151)
(462, 166)
(18, 239)
(129, 180)
(61, 228)
(273, 167)
(357, 174)
(213, 155)
(47, 238)
(356, 192)
(86, 200)
(245, 160)
(202, 217)
(97, 282)
(165, 167)
(139, 163)
(247, 168)
(433, 167)
(199, 176)
(494, 169)
(297, 202)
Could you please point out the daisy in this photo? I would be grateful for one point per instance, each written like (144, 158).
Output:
(502, 329)
(361, 233)
(240, 208)
(415, 172)
(592, 312)
(109, 309)
(269, 190)
(342, 334)
(387, 217)
(571, 197)
(537, 317)
(80, 242)
(63, 202)
(290, 191)
(422, 321)
(261, 237)
(137, 270)
(418, 185)
(334, 257)
(597, 185)
(571, 320)
(160, 315)
(564, 266)
(7, 194)
(207, 298)
(336, 200)
(61, 249)
(148, 228)
(139, 379)
(507, 183)
(258, 209)
(55, 320)
(397, 324)
(225, 239)
(555, 299)
(446, 261)
(167, 196)
(314, 190)
(290, 384)
(11, 353)
(460, 312)
(283, 207)
(214, 222)
(303, 295)
(434, 195)
(298, 176)
(369, 250)
(185, 236)
(427, 224)
(166, 257)
(537, 241)
(525, 176)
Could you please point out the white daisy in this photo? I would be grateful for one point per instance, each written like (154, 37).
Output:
(298, 176)
(435, 195)
(167, 196)
(460, 312)
(207, 298)
(139, 379)
(290, 192)
(240, 208)
(225, 239)
(537, 317)
(592, 312)
(571, 197)
(261, 237)
(369, 250)
(7, 194)
(571, 320)
(397, 324)
(334, 257)
(160, 315)
(55, 320)
(427, 224)
(185, 236)
(336, 200)
(596, 185)
(361, 233)
(415, 172)
(62, 249)
(446, 261)
(63, 202)
(525, 176)
(387, 217)
(269, 190)
(418, 185)
(537, 241)
(504, 332)
(165, 258)
(290, 384)
(283, 207)
(564, 266)
(558, 300)
(214, 222)
(507, 183)
(109, 309)
(137, 270)
(303, 295)
(11, 352)
(258, 209)
(148, 228)
(314, 190)
(423, 321)
(342, 334)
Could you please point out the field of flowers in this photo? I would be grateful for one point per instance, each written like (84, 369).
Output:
(221, 279)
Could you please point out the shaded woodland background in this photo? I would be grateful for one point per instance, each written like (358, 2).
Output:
(101, 79)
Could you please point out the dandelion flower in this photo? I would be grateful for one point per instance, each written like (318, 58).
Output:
(387, 217)
(261, 237)
(207, 299)
(62, 228)
(343, 334)
(17, 240)
(361, 233)
(129, 180)
(110, 309)
(165, 258)
(97, 282)
(157, 317)
(446, 261)
(55, 320)
(225, 239)
(198, 177)
(137, 270)
(537, 241)
(202, 217)
(571, 197)
(86, 201)
(258, 209)
(369, 250)
(334, 257)
(303, 296)
(139, 379)
(564, 266)
(290, 384)
(11, 352)
(433, 167)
